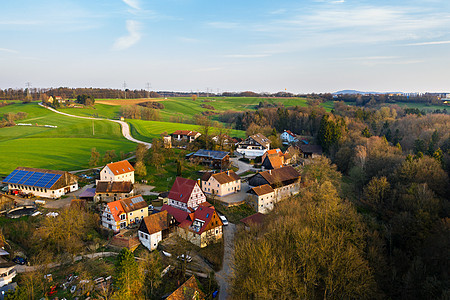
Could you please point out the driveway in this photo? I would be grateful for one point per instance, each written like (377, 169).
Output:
(222, 276)
(63, 202)
(243, 167)
(236, 197)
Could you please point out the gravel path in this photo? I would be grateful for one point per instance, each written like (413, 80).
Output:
(125, 127)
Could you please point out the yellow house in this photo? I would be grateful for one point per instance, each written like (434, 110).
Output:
(121, 213)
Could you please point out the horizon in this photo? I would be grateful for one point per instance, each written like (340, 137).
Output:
(316, 46)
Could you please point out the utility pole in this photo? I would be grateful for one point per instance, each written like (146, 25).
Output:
(125, 89)
(148, 86)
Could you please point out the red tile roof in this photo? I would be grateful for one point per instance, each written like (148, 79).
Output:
(256, 219)
(188, 291)
(178, 214)
(222, 177)
(182, 189)
(185, 132)
(120, 167)
(116, 209)
(205, 214)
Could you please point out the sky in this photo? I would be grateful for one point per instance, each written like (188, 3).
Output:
(300, 46)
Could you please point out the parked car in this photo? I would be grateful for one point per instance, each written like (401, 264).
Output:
(188, 258)
(224, 220)
(19, 260)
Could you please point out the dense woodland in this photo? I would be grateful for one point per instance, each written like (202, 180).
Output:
(373, 218)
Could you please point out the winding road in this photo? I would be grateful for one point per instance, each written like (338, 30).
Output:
(125, 127)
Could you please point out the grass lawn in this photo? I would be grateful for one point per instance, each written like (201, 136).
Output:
(235, 213)
(66, 147)
(148, 130)
(98, 111)
(163, 176)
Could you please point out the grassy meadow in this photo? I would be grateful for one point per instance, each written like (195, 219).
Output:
(66, 147)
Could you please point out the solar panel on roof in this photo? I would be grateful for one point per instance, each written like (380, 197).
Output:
(52, 181)
(18, 176)
(34, 178)
(8, 178)
(25, 177)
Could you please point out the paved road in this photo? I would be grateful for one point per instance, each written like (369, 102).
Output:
(222, 276)
(125, 127)
(243, 167)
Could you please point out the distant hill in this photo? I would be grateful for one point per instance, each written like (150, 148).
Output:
(355, 92)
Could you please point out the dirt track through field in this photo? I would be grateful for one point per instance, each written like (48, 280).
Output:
(129, 101)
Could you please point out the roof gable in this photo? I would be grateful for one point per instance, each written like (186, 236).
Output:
(155, 223)
(222, 177)
(178, 214)
(120, 167)
(182, 189)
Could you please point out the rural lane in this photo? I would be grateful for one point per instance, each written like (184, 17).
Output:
(222, 276)
(125, 127)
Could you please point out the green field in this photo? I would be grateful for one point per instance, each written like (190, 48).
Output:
(64, 148)
(148, 130)
(98, 111)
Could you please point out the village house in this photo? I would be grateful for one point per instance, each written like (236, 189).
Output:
(7, 273)
(262, 198)
(212, 158)
(223, 140)
(221, 184)
(253, 146)
(121, 213)
(285, 181)
(108, 191)
(275, 158)
(185, 194)
(188, 291)
(187, 136)
(154, 228)
(288, 137)
(118, 171)
(253, 220)
(200, 227)
(41, 182)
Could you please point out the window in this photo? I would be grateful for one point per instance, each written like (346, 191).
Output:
(131, 214)
(142, 210)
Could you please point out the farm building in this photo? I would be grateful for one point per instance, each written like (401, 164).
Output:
(185, 194)
(254, 146)
(310, 151)
(221, 184)
(41, 182)
(215, 159)
(275, 158)
(108, 191)
(121, 213)
(285, 181)
(118, 171)
(187, 136)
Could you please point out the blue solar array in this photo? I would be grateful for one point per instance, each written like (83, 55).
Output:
(30, 178)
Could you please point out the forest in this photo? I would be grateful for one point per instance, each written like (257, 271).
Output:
(372, 221)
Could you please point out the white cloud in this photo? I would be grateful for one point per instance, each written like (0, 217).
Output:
(8, 50)
(430, 43)
(134, 35)
(132, 3)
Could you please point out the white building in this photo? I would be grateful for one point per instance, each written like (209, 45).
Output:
(153, 229)
(118, 171)
(288, 137)
(253, 146)
(41, 182)
(185, 194)
(262, 198)
(7, 273)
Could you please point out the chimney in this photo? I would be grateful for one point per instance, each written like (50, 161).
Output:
(228, 172)
(270, 172)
